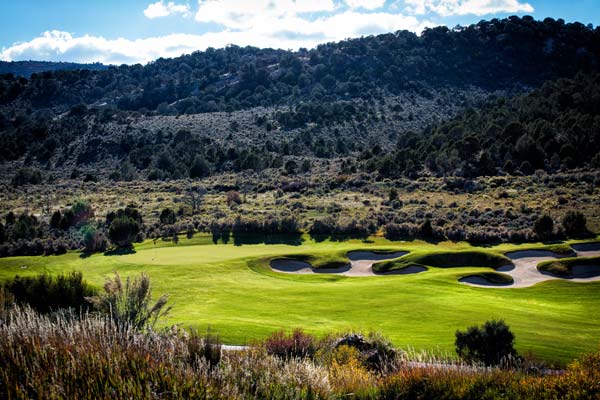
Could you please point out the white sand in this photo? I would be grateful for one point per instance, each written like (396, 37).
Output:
(361, 264)
(525, 273)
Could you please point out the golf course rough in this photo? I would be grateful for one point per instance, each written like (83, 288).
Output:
(234, 290)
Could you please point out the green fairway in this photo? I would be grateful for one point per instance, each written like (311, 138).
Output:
(232, 289)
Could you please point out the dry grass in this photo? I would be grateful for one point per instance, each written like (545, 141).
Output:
(64, 357)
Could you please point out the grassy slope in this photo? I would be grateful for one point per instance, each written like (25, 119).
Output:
(212, 285)
(444, 259)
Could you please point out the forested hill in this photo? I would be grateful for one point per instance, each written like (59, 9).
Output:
(556, 127)
(27, 68)
(491, 54)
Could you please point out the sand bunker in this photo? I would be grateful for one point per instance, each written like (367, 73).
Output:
(587, 249)
(476, 280)
(515, 255)
(523, 269)
(525, 273)
(361, 264)
(578, 273)
(376, 256)
(291, 266)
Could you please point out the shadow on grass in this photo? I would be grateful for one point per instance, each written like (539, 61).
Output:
(258, 238)
(290, 240)
(429, 240)
(321, 237)
(120, 251)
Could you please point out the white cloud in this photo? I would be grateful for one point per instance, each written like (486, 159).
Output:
(244, 14)
(366, 4)
(286, 32)
(285, 24)
(463, 7)
(162, 9)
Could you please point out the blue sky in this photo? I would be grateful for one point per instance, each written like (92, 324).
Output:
(116, 32)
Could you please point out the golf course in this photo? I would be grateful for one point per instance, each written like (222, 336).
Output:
(234, 290)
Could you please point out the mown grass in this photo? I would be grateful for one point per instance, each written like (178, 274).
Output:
(445, 259)
(233, 290)
(564, 266)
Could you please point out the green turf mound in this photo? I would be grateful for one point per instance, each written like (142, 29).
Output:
(572, 267)
(325, 261)
(488, 279)
(451, 259)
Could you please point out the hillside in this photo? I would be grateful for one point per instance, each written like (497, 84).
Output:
(27, 68)
(397, 104)
(491, 54)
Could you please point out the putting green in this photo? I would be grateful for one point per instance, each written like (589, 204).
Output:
(232, 289)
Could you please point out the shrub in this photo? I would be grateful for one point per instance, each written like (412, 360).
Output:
(123, 231)
(574, 223)
(348, 374)
(291, 167)
(207, 348)
(93, 239)
(82, 212)
(55, 219)
(130, 211)
(233, 197)
(129, 305)
(375, 351)
(543, 227)
(26, 227)
(491, 344)
(200, 168)
(393, 231)
(168, 217)
(45, 293)
(24, 176)
(426, 230)
(295, 345)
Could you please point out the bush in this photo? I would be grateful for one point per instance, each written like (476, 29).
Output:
(129, 305)
(200, 168)
(574, 223)
(295, 345)
(491, 344)
(26, 227)
(393, 231)
(168, 217)
(24, 176)
(375, 351)
(82, 212)
(55, 220)
(45, 293)
(233, 197)
(207, 348)
(543, 227)
(93, 240)
(123, 231)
